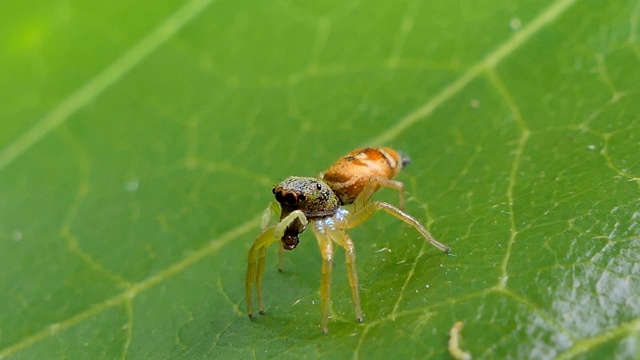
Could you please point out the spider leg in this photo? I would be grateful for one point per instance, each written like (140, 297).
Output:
(280, 259)
(257, 255)
(267, 214)
(326, 250)
(255, 261)
(364, 213)
(373, 184)
(345, 241)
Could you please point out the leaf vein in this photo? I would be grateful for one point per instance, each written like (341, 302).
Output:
(103, 80)
(135, 289)
(489, 62)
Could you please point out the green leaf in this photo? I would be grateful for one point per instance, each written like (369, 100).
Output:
(140, 142)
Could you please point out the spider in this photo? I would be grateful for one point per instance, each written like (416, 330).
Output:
(320, 202)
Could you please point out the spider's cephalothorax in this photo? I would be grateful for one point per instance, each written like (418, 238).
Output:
(312, 196)
(301, 201)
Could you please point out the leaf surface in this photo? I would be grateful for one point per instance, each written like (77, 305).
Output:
(139, 144)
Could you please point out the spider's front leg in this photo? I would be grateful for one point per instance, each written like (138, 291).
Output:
(268, 213)
(326, 250)
(326, 232)
(364, 213)
(257, 254)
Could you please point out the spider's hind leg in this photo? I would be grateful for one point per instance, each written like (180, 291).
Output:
(373, 184)
(345, 241)
(364, 213)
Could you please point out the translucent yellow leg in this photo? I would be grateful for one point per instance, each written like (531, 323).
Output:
(326, 250)
(280, 259)
(255, 270)
(373, 185)
(345, 241)
(363, 214)
(268, 213)
(257, 255)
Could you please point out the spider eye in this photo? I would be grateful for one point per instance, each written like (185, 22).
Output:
(279, 196)
(273, 191)
(290, 199)
(318, 186)
(301, 197)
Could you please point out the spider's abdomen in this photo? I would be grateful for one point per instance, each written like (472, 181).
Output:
(348, 176)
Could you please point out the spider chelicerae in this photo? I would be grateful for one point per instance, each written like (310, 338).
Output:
(320, 202)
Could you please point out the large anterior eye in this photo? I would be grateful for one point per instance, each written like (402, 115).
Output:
(290, 199)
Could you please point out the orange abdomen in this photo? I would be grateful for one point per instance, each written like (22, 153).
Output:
(348, 176)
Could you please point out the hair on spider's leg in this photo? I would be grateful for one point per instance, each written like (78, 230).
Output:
(326, 250)
(345, 241)
(363, 214)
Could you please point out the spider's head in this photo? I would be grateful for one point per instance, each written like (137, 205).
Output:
(310, 195)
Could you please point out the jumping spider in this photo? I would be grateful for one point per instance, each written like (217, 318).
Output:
(320, 202)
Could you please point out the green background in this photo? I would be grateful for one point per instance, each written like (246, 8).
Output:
(139, 143)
